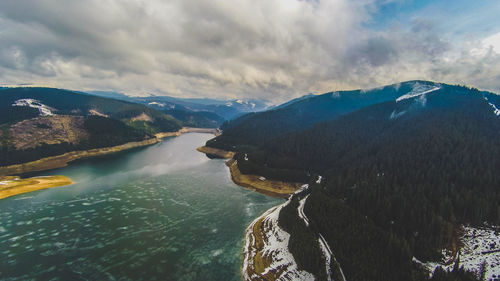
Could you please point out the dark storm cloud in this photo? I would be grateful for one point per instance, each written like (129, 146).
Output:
(263, 48)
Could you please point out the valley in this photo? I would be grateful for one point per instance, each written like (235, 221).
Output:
(274, 140)
(164, 208)
(350, 195)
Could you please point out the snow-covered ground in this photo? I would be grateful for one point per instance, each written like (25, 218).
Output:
(302, 188)
(480, 245)
(44, 110)
(325, 248)
(319, 179)
(160, 104)
(495, 108)
(275, 246)
(418, 90)
(300, 210)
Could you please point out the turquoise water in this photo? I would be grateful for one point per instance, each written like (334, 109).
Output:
(163, 212)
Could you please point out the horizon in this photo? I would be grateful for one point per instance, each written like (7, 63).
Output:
(274, 50)
(269, 103)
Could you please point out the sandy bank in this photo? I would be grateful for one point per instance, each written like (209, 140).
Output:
(254, 182)
(216, 153)
(10, 186)
(260, 184)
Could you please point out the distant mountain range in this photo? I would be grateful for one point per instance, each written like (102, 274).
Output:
(395, 174)
(225, 109)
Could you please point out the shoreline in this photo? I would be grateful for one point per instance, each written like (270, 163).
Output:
(62, 160)
(12, 186)
(261, 260)
(185, 130)
(265, 252)
(216, 153)
(280, 189)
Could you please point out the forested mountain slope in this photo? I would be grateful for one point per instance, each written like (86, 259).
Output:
(63, 102)
(256, 128)
(41, 122)
(400, 179)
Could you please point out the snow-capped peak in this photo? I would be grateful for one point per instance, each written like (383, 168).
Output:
(418, 90)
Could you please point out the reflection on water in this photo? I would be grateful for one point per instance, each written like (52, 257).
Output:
(164, 212)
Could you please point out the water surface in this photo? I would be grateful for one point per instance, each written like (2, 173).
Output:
(163, 212)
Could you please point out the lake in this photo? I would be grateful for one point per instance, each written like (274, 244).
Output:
(162, 212)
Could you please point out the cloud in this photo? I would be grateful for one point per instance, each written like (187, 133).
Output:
(276, 49)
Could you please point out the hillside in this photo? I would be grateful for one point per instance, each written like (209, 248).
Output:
(64, 102)
(256, 128)
(220, 109)
(227, 109)
(401, 178)
(198, 119)
(42, 122)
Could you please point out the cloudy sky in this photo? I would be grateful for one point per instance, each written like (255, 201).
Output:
(274, 49)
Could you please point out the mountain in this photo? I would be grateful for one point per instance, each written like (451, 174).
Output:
(227, 109)
(256, 128)
(197, 119)
(111, 95)
(403, 176)
(304, 97)
(40, 122)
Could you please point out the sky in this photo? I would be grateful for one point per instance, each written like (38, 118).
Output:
(270, 49)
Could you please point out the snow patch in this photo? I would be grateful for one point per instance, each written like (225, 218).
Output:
(42, 108)
(395, 115)
(325, 249)
(302, 188)
(275, 242)
(418, 90)
(480, 245)
(300, 210)
(160, 104)
(319, 179)
(495, 109)
(328, 254)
